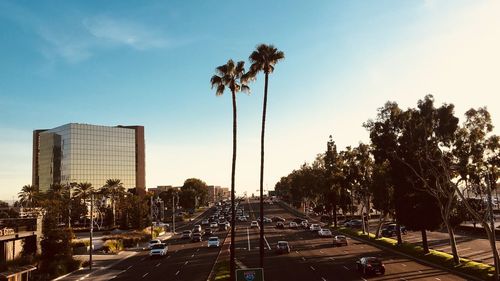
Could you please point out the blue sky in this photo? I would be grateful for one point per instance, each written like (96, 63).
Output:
(149, 63)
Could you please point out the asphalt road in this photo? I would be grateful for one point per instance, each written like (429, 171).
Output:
(313, 258)
(185, 261)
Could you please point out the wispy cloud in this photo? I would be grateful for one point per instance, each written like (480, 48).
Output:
(127, 33)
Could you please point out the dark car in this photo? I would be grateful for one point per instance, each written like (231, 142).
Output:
(208, 232)
(354, 223)
(196, 237)
(222, 226)
(276, 219)
(280, 225)
(370, 265)
(298, 220)
(282, 247)
(391, 229)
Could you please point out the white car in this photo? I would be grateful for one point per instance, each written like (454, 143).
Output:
(214, 224)
(254, 224)
(158, 250)
(324, 232)
(213, 242)
(153, 242)
(315, 227)
(293, 224)
(197, 228)
(205, 222)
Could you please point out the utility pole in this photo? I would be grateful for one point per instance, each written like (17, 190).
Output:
(91, 229)
(152, 216)
(173, 213)
(492, 220)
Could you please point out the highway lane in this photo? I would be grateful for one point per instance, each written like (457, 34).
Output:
(185, 261)
(314, 258)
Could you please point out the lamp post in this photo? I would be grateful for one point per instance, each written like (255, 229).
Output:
(91, 229)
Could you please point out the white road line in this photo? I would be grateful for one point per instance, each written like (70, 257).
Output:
(248, 239)
(145, 274)
(332, 259)
(177, 273)
(158, 264)
(363, 279)
(192, 255)
(267, 243)
(312, 268)
(323, 278)
(128, 268)
(297, 252)
(186, 263)
(321, 252)
(304, 259)
(346, 268)
(403, 264)
(437, 279)
(197, 249)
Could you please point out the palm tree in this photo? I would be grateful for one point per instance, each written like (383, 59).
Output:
(233, 76)
(28, 196)
(264, 58)
(83, 191)
(114, 188)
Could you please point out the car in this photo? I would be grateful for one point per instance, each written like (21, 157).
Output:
(304, 224)
(242, 218)
(267, 220)
(186, 234)
(205, 222)
(390, 230)
(254, 224)
(293, 224)
(339, 240)
(298, 220)
(214, 224)
(370, 265)
(213, 242)
(196, 237)
(153, 242)
(315, 227)
(223, 226)
(354, 223)
(158, 250)
(324, 232)
(196, 228)
(276, 219)
(207, 232)
(280, 225)
(282, 247)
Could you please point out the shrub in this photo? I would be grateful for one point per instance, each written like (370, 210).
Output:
(112, 246)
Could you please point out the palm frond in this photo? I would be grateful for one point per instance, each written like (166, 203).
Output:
(215, 81)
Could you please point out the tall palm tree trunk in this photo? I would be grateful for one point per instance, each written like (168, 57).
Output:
(264, 108)
(232, 265)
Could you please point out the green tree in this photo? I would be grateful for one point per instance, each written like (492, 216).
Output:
(28, 196)
(115, 190)
(232, 76)
(264, 58)
(82, 192)
(200, 188)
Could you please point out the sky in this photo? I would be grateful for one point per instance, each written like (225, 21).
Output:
(149, 63)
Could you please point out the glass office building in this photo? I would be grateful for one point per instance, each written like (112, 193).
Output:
(75, 153)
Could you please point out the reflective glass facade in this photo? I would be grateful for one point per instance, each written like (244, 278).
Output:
(87, 153)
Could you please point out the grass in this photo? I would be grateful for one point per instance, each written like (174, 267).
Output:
(480, 270)
(222, 271)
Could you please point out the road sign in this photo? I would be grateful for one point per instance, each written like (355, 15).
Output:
(250, 274)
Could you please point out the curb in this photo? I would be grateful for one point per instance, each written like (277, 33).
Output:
(464, 275)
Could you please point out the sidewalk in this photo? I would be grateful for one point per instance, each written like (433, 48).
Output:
(103, 262)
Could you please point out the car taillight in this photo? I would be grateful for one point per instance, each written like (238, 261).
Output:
(368, 265)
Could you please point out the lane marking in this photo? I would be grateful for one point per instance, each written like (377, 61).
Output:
(186, 263)
(313, 269)
(323, 278)
(321, 252)
(403, 264)
(363, 279)
(297, 252)
(158, 264)
(145, 274)
(248, 239)
(197, 249)
(192, 255)
(437, 279)
(304, 259)
(128, 268)
(267, 243)
(346, 268)
(177, 273)
(332, 259)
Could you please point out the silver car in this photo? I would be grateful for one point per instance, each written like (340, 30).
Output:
(213, 242)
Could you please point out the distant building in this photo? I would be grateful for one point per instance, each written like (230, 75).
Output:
(161, 188)
(217, 193)
(89, 153)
